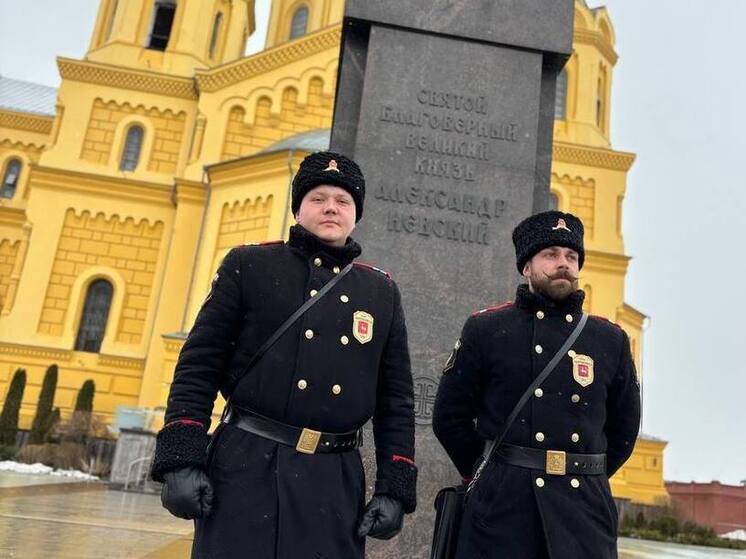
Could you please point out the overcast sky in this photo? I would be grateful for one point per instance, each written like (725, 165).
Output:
(678, 95)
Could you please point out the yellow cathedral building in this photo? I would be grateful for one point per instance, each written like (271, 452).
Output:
(165, 146)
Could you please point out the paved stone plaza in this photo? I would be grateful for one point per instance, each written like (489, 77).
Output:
(42, 518)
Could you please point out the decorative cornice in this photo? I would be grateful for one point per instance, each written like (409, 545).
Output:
(121, 362)
(628, 313)
(190, 191)
(593, 157)
(596, 39)
(102, 185)
(135, 80)
(25, 121)
(14, 217)
(36, 352)
(606, 262)
(250, 167)
(241, 70)
(173, 342)
(21, 146)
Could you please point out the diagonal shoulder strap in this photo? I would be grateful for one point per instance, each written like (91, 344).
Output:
(545, 372)
(288, 323)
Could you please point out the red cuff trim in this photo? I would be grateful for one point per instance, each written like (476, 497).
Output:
(185, 421)
(467, 480)
(397, 458)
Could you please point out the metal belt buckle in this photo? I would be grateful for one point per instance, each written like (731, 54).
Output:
(308, 441)
(556, 462)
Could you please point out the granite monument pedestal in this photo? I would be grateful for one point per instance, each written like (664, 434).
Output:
(448, 107)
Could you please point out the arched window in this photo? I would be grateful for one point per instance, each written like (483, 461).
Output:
(132, 147)
(10, 178)
(560, 99)
(95, 315)
(215, 33)
(163, 21)
(299, 23)
(601, 100)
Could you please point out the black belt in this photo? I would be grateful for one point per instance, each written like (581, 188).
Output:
(305, 440)
(553, 462)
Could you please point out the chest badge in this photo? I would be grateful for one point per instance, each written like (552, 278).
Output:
(582, 369)
(362, 326)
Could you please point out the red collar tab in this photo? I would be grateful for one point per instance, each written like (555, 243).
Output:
(371, 267)
(493, 309)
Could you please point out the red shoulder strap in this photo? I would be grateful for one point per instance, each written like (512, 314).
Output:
(493, 309)
(371, 267)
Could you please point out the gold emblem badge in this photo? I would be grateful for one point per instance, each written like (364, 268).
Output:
(362, 326)
(333, 166)
(582, 369)
(561, 224)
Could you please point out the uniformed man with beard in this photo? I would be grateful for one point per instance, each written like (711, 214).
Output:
(545, 493)
(284, 479)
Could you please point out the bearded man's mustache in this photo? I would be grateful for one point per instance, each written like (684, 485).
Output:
(562, 275)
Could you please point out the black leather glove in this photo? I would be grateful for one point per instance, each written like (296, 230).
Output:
(187, 493)
(382, 519)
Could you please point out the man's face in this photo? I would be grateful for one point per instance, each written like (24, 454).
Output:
(329, 213)
(553, 272)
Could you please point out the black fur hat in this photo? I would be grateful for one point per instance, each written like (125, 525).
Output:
(327, 167)
(544, 230)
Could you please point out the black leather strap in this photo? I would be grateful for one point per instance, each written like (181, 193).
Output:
(293, 317)
(545, 372)
(287, 324)
(282, 433)
(536, 459)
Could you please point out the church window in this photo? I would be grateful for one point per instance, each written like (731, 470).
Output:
(560, 99)
(132, 147)
(215, 33)
(601, 100)
(95, 314)
(299, 23)
(10, 178)
(163, 20)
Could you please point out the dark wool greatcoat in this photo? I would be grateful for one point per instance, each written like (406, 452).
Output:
(272, 502)
(518, 513)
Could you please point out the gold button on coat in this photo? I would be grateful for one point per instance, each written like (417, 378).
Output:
(317, 261)
(302, 384)
(572, 353)
(574, 437)
(538, 392)
(540, 436)
(344, 298)
(539, 482)
(309, 334)
(335, 269)
(336, 389)
(540, 314)
(575, 398)
(575, 483)
(568, 318)
(313, 292)
(539, 349)
(345, 340)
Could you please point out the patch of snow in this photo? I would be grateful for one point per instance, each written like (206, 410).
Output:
(41, 469)
(735, 535)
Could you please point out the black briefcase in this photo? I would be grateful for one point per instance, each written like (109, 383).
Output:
(449, 507)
